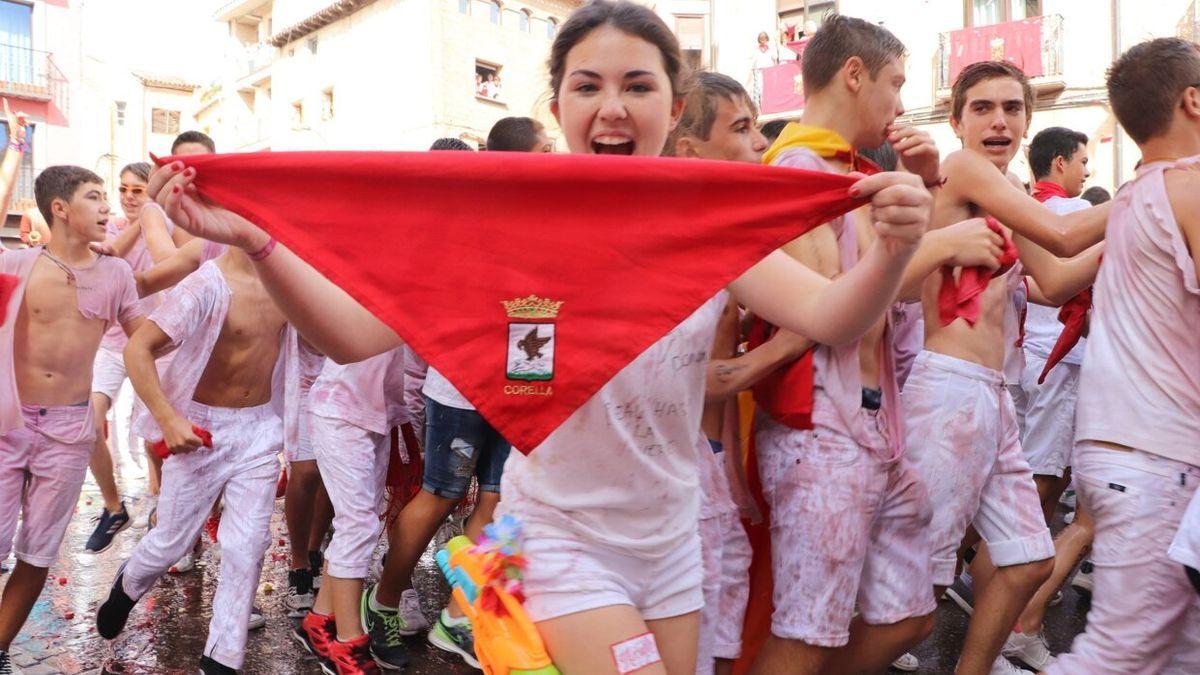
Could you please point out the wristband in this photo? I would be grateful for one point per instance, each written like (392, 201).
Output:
(19, 147)
(263, 252)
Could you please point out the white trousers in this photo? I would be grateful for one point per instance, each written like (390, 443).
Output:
(244, 463)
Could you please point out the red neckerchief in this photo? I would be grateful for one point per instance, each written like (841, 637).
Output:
(1044, 189)
(1073, 314)
(8, 284)
(960, 298)
(530, 308)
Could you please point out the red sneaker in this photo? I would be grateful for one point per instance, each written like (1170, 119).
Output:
(211, 526)
(314, 633)
(353, 657)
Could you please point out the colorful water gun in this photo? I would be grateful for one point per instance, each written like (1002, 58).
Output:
(486, 584)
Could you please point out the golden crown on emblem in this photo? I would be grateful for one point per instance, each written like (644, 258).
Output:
(531, 307)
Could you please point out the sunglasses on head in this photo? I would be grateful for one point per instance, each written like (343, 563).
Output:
(135, 190)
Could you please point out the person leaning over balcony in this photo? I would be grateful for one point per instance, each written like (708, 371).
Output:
(8, 174)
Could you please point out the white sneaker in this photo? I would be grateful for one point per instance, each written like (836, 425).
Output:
(1031, 650)
(1069, 517)
(185, 564)
(410, 612)
(1002, 666)
(1083, 581)
(257, 620)
(1068, 499)
(142, 521)
(906, 663)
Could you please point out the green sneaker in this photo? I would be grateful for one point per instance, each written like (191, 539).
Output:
(387, 630)
(454, 637)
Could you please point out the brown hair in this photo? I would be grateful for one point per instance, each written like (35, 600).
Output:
(627, 17)
(139, 169)
(700, 110)
(60, 182)
(1146, 82)
(841, 38)
(982, 72)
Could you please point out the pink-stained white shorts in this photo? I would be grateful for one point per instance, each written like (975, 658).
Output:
(304, 450)
(963, 443)
(353, 463)
(108, 372)
(565, 576)
(1145, 616)
(1046, 413)
(726, 551)
(40, 480)
(1185, 549)
(847, 527)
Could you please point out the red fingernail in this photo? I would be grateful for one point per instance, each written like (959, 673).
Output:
(175, 189)
(854, 192)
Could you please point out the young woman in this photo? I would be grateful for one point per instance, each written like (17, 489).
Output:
(609, 502)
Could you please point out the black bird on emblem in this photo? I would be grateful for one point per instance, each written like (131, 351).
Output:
(532, 345)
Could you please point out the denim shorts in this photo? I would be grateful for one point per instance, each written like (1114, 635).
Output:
(459, 444)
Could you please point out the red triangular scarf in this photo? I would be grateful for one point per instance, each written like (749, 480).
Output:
(8, 284)
(959, 298)
(1073, 314)
(528, 280)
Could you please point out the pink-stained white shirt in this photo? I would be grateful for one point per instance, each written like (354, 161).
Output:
(139, 260)
(621, 472)
(105, 291)
(1042, 326)
(438, 388)
(1140, 379)
(192, 317)
(368, 394)
(837, 370)
(415, 372)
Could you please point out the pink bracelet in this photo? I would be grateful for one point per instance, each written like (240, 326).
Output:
(263, 252)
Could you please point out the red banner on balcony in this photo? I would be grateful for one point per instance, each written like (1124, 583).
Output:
(1018, 42)
(783, 88)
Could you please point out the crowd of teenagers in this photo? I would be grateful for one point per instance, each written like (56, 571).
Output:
(923, 390)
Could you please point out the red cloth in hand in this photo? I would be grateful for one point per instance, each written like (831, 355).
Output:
(160, 448)
(8, 285)
(959, 298)
(630, 247)
(1073, 315)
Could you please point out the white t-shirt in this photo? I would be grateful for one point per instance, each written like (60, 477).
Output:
(1042, 326)
(438, 388)
(622, 471)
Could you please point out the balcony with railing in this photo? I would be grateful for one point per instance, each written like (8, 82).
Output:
(1035, 45)
(781, 87)
(31, 74)
(251, 60)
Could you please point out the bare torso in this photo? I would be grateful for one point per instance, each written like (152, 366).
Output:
(982, 343)
(239, 372)
(55, 345)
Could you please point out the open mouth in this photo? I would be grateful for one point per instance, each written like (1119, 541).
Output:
(612, 145)
(997, 142)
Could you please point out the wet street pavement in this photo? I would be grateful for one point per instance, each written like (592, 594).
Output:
(166, 632)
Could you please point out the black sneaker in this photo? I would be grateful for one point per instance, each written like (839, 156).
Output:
(385, 629)
(6, 666)
(316, 561)
(112, 615)
(963, 595)
(211, 667)
(456, 639)
(107, 526)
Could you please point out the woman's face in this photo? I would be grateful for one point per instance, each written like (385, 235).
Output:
(133, 195)
(615, 97)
